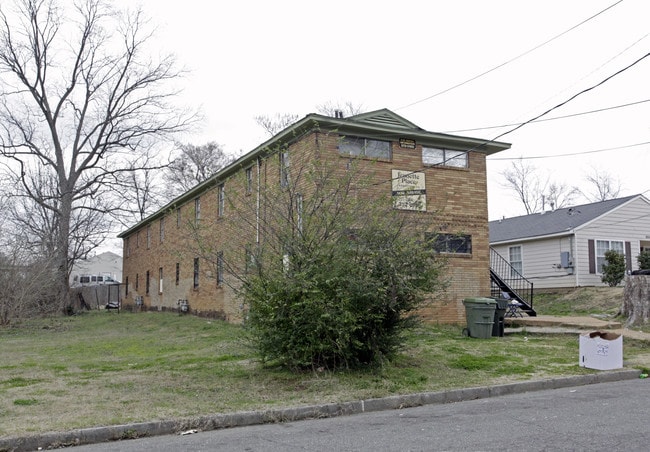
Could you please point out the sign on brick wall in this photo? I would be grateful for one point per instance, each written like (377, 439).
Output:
(409, 190)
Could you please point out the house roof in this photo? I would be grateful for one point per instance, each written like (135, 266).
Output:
(560, 221)
(375, 124)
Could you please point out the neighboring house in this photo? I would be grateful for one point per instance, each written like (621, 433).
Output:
(441, 177)
(104, 268)
(565, 248)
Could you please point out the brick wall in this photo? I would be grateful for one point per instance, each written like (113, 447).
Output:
(456, 202)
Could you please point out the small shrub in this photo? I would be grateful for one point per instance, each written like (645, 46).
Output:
(614, 269)
(644, 260)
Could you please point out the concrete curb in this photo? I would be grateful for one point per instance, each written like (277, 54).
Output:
(219, 421)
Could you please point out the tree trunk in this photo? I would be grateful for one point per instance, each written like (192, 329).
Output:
(62, 252)
(636, 299)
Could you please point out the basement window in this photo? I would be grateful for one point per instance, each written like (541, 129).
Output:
(450, 243)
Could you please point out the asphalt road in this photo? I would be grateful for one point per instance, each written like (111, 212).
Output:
(600, 417)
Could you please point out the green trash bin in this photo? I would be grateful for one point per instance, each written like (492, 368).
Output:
(479, 312)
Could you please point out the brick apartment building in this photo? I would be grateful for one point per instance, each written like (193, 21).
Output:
(191, 249)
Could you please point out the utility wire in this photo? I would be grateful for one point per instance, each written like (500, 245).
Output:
(446, 90)
(571, 154)
(553, 118)
(620, 71)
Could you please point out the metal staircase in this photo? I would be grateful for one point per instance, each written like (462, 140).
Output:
(505, 279)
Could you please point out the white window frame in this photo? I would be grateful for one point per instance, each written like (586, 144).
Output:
(601, 247)
(516, 265)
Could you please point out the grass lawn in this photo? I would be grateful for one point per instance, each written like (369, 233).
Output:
(104, 368)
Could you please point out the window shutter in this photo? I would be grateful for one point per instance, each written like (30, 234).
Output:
(628, 256)
(592, 257)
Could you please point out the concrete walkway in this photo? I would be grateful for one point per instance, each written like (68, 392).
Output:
(569, 324)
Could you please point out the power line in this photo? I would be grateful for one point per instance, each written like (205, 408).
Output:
(508, 61)
(586, 90)
(571, 153)
(599, 110)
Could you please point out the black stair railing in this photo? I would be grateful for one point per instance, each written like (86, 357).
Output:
(505, 278)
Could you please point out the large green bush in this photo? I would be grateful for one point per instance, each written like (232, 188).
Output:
(336, 278)
(614, 269)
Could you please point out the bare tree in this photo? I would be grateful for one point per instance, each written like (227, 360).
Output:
(274, 124)
(346, 108)
(78, 99)
(603, 185)
(195, 164)
(536, 192)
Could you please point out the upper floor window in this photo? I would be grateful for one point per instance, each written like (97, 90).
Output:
(444, 157)
(197, 211)
(162, 229)
(451, 243)
(221, 194)
(365, 147)
(148, 236)
(249, 180)
(284, 168)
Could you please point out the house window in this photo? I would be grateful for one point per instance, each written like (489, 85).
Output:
(516, 261)
(162, 230)
(444, 157)
(365, 147)
(178, 217)
(196, 272)
(160, 280)
(602, 246)
(451, 243)
(137, 281)
(126, 286)
(249, 180)
(284, 168)
(221, 193)
(178, 273)
(220, 268)
(147, 282)
(148, 236)
(197, 211)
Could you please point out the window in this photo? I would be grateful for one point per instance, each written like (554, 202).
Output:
(84, 279)
(249, 180)
(148, 236)
(162, 230)
(196, 272)
(126, 286)
(451, 243)
(178, 217)
(137, 281)
(197, 211)
(160, 280)
(284, 168)
(147, 282)
(602, 246)
(444, 157)
(220, 268)
(365, 147)
(299, 211)
(178, 273)
(221, 193)
(516, 261)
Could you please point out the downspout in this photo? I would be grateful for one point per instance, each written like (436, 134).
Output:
(257, 202)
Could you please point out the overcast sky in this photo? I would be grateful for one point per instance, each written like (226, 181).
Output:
(252, 57)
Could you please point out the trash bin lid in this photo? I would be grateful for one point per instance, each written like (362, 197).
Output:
(479, 300)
